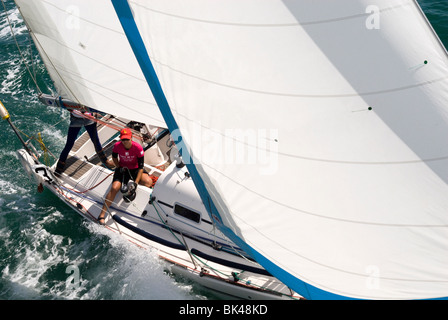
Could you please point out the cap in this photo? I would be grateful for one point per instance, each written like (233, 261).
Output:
(125, 134)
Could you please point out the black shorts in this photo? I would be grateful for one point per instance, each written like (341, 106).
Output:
(126, 175)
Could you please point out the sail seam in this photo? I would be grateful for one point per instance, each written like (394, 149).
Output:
(365, 162)
(55, 69)
(253, 90)
(81, 18)
(117, 102)
(319, 215)
(76, 77)
(315, 159)
(261, 25)
(348, 95)
(362, 275)
(90, 58)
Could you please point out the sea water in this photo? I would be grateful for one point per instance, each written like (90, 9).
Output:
(47, 250)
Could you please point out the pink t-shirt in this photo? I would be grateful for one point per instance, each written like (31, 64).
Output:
(128, 158)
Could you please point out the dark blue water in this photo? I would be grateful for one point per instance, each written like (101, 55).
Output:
(42, 241)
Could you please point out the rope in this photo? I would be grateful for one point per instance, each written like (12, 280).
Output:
(168, 227)
(188, 250)
(36, 41)
(44, 149)
(117, 127)
(38, 140)
(233, 274)
(91, 188)
(191, 254)
(92, 217)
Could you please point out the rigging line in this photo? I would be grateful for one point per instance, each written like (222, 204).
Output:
(93, 178)
(103, 64)
(70, 199)
(217, 272)
(229, 243)
(238, 253)
(59, 188)
(168, 227)
(91, 188)
(185, 244)
(77, 203)
(109, 213)
(18, 47)
(109, 124)
(77, 77)
(30, 46)
(103, 95)
(188, 250)
(172, 232)
(36, 41)
(39, 141)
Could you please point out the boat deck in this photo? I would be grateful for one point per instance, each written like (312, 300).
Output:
(76, 168)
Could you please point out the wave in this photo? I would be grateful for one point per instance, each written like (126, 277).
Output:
(12, 82)
(46, 265)
(11, 19)
(48, 251)
(139, 274)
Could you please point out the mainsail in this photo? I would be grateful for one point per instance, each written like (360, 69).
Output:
(315, 131)
(347, 194)
(89, 58)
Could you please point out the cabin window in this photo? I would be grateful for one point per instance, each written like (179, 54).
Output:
(187, 213)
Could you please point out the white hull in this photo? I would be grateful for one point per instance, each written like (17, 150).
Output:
(191, 245)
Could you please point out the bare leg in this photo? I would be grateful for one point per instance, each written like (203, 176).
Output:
(146, 180)
(116, 185)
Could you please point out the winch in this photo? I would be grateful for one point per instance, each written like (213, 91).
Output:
(128, 190)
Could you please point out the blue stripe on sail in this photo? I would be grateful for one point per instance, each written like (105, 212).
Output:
(130, 28)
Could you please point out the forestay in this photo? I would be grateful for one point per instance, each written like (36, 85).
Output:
(340, 109)
(89, 58)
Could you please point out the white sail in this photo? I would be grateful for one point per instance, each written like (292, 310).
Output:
(89, 58)
(344, 190)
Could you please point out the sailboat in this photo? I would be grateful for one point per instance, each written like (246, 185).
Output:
(300, 147)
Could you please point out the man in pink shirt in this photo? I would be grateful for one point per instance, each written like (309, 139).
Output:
(128, 157)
